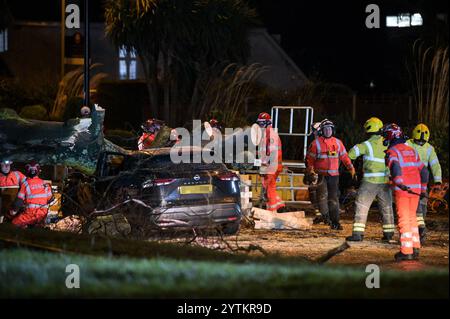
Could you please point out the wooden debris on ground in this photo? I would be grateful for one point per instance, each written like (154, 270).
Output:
(265, 219)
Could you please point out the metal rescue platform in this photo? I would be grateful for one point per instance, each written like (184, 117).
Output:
(297, 120)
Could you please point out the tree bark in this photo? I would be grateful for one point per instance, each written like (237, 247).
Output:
(76, 143)
(167, 84)
(151, 79)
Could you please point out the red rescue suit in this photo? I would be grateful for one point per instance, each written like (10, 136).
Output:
(34, 196)
(13, 178)
(324, 155)
(271, 158)
(146, 140)
(407, 169)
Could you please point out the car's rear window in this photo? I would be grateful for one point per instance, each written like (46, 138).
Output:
(164, 162)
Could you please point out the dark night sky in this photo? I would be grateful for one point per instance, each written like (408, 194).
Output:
(327, 39)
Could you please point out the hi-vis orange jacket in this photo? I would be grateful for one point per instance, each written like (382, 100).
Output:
(13, 178)
(406, 169)
(324, 155)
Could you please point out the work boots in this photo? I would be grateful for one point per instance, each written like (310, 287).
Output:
(416, 253)
(336, 226)
(320, 219)
(355, 237)
(388, 238)
(402, 257)
(423, 235)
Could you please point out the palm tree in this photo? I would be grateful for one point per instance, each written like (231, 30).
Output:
(178, 42)
(6, 18)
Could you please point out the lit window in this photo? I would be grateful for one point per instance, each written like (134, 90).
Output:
(123, 74)
(4, 40)
(391, 21)
(404, 20)
(127, 64)
(122, 52)
(416, 19)
(132, 70)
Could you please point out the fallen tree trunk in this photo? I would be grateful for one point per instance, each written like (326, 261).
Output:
(75, 143)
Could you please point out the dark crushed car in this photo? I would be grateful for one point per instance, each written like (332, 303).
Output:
(170, 196)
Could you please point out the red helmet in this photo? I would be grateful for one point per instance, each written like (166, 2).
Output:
(32, 169)
(214, 123)
(392, 132)
(264, 119)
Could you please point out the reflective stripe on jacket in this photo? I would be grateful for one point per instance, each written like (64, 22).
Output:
(35, 193)
(146, 140)
(429, 158)
(375, 169)
(324, 155)
(270, 152)
(408, 161)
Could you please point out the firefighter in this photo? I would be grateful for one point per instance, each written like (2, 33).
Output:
(85, 112)
(427, 154)
(312, 181)
(409, 178)
(271, 159)
(8, 178)
(215, 125)
(323, 157)
(375, 182)
(33, 198)
(150, 129)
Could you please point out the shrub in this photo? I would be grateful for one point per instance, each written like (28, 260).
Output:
(34, 112)
(72, 108)
(439, 139)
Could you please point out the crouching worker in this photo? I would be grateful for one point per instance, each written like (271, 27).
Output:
(409, 177)
(375, 183)
(32, 199)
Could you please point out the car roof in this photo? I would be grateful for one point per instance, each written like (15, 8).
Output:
(166, 150)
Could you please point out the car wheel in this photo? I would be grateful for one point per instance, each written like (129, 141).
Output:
(231, 228)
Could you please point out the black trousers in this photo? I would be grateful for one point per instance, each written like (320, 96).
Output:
(328, 197)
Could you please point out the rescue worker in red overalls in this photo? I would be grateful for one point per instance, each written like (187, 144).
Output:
(215, 125)
(409, 178)
(33, 198)
(8, 177)
(271, 162)
(323, 158)
(150, 129)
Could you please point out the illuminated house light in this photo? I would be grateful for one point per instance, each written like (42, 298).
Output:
(4, 40)
(391, 21)
(404, 20)
(127, 64)
(416, 19)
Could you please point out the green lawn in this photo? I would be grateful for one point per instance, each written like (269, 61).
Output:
(25, 273)
(129, 269)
